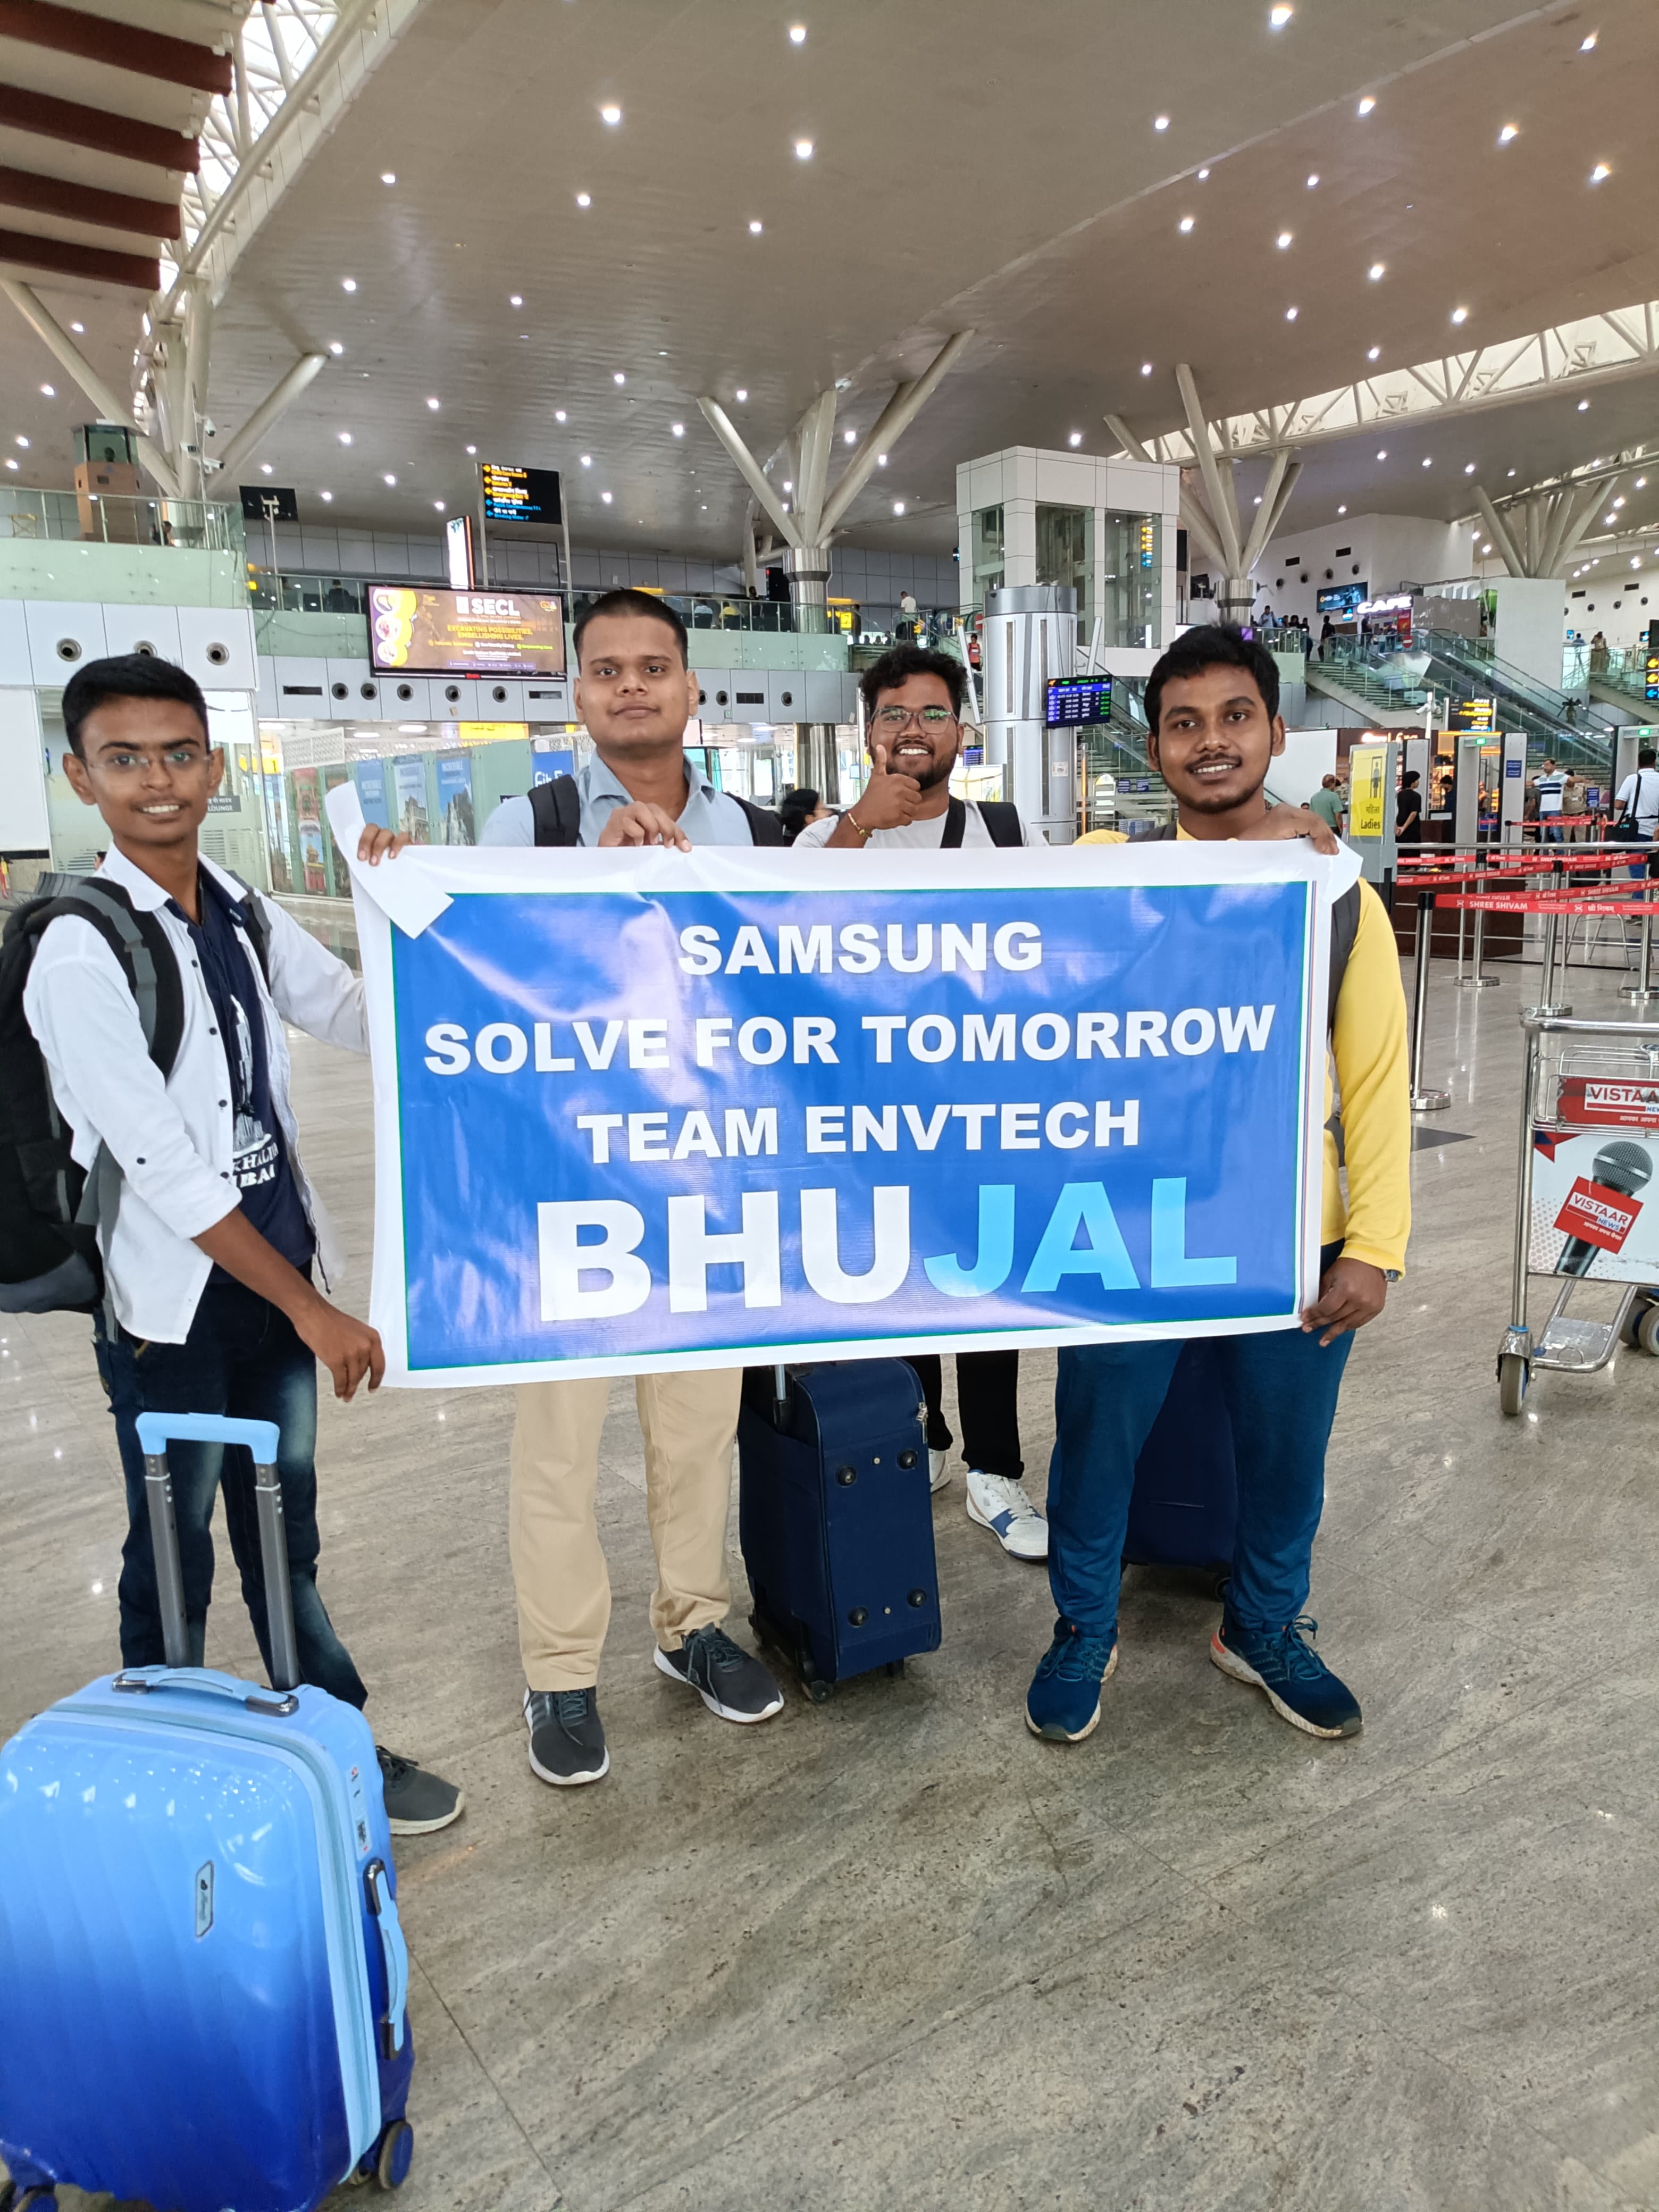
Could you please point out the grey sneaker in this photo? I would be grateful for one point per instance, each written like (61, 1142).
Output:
(729, 1680)
(567, 1738)
(416, 1803)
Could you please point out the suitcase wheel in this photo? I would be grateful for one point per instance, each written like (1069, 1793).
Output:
(393, 2154)
(894, 1667)
(817, 1689)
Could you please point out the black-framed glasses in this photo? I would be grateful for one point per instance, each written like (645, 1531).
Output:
(894, 719)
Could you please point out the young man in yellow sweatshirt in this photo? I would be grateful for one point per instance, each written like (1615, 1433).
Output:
(1213, 726)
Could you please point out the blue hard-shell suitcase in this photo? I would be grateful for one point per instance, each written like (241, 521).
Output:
(1185, 1501)
(203, 1978)
(836, 1518)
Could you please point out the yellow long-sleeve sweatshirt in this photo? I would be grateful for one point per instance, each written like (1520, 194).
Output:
(1372, 1220)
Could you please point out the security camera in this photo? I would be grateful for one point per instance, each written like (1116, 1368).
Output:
(210, 429)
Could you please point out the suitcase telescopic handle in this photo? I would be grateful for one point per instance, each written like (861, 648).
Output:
(155, 1431)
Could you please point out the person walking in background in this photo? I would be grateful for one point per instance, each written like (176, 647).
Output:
(1409, 810)
(798, 809)
(1327, 803)
(1548, 785)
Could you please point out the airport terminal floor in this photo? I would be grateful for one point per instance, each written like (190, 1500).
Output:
(891, 1950)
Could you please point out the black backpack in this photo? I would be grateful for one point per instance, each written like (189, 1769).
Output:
(556, 810)
(1000, 819)
(50, 1206)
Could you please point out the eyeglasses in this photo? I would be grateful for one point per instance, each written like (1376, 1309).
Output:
(894, 719)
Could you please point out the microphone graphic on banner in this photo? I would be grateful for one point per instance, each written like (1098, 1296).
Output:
(1623, 1168)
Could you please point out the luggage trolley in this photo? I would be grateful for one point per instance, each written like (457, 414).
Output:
(1587, 1200)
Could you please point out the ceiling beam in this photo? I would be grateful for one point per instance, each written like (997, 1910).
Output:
(22, 188)
(750, 469)
(122, 45)
(61, 256)
(76, 124)
(1500, 536)
(890, 425)
(1222, 513)
(69, 356)
(281, 396)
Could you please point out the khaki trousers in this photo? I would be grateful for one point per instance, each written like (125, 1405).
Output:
(690, 1422)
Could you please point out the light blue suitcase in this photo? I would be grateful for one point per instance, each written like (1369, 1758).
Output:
(203, 1978)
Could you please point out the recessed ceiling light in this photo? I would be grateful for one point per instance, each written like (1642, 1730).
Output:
(1378, 270)
(325, 496)
(515, 298)
(898, 506)
(1583, 409)
(755, 229)
(1619, 502)
(11, 464)
(1509, 131)
(1485, 549)
(1599, 172)
(345, 437)
(1641, 483)
(471, 449)
(1202, 174)
(1383, 454)
(788, 483)
(584, 199)
(559, 415)
(265, 468)
(1185, 222)
(606, 496)
(1256, 502)
(439, 504)
(388, 176)
(610, 113)
(1076, 438)
(798, 34)
(617, 377)
(1145, 368)
(1365, 105)
(741, 397)
(1282, 240)
(1313, 179)
(335, 347)
(678, 429)
(1373, 353)
(1586, 44)
(1341, 510)
(1511, 472)
(80, 329)
(1160, 123)
(803, 149)
(587, 461)
(1427, 463)
(1277, 17)
(348, 283)
(1291, 314)
(849, 437)
(881, 460)
(432, 404)
(1469, 468)
(388, 477)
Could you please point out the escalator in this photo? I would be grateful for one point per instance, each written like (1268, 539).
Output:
(1577, 734)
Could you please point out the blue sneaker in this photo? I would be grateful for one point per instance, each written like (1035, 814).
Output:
(1299, 1687)
(1063, 1703)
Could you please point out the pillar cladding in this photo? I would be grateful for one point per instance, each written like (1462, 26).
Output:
(815, 761)
(809, 574)
(1030, 637)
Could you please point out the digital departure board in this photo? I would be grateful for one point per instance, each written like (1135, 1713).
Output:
(512, 494)
(466, 633)
(1076, 700)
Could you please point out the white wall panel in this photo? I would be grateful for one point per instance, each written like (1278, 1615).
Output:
(216, 646)
(143, 629)
(22, 775)
(64, 635)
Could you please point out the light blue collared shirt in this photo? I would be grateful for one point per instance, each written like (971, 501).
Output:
(710, 817)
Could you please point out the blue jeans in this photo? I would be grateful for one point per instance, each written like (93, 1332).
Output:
(241, 1358)
(1280, 1390)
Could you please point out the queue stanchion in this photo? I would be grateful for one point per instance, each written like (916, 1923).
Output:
(1477, 981)
(1642, 991)
(1422, 1101)
(1547, 1010)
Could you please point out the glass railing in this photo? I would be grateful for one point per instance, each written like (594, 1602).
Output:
(113, 518)
(1621, 668)
(1391, 681)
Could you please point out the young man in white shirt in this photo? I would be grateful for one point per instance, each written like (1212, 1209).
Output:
(1548, 785)
(913, 708)
(208, 1260)
(1638, 797)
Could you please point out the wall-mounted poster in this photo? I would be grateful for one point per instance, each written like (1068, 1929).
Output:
(441, 633)
(307, 807)
(372, 797)
(455, 821)
(409, 795)
(339, 873)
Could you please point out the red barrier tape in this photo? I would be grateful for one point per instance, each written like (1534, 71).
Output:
(1534, 903)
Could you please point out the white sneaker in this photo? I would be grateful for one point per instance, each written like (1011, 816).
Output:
(939, 1472)
(1000, 1504)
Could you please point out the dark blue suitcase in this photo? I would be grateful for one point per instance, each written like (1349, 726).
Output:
(1185, 1501)
(835, 1517)
(203, 1978)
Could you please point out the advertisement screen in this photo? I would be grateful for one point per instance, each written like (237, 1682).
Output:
(1339, 598)
(495, 633)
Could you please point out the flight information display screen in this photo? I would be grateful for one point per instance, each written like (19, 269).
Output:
(515, 494)
(493, 632)
(1074, 699)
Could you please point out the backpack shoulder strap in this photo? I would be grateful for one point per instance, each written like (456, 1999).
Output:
(955, 821)
(138, 940)
(1002, 821)
(765, 828)
(555, 808)
(1345, 928)
(1165, 835)
(256, 923)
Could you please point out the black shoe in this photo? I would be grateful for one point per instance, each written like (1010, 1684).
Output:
(567, 1737)
(726, 1677)
(416, 1803)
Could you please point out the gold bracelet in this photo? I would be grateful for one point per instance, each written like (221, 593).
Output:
(851, 819)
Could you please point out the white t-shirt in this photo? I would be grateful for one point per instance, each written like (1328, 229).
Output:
(923, 836)
(1549, 789)
(1643, 788)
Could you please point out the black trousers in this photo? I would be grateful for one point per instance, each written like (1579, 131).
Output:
(987, 1394)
